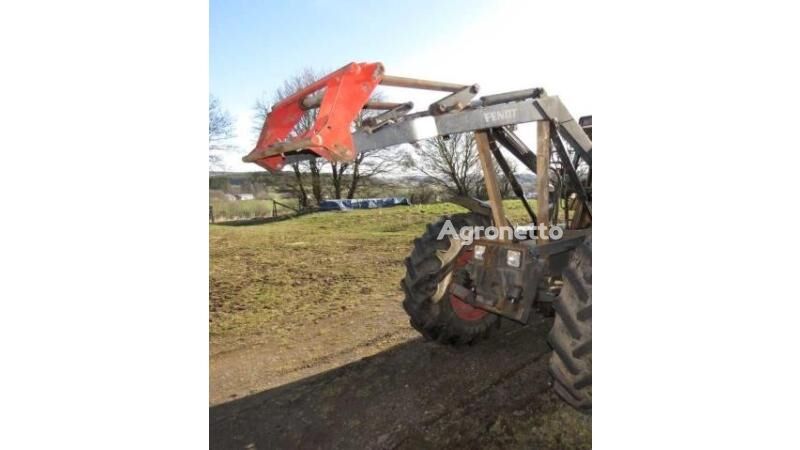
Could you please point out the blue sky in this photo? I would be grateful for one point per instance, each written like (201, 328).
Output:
(254, 46)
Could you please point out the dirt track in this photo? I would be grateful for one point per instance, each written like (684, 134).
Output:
(413, 395)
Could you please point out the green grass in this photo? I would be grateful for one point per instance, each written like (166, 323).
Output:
(281, 282)
(248, 209)
(276, 277)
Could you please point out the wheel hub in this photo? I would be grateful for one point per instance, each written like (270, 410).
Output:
(462, 309)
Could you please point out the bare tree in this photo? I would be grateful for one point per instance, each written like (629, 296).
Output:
(220, 130)
(451, 162)
(298, 187)
(337, 177)
(377, 162)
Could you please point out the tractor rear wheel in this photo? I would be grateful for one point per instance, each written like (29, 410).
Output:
(571, 335)
(433, 310)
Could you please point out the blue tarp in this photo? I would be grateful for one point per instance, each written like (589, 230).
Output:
(361, 203)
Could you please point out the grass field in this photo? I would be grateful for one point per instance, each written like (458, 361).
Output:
(307, 312)
(273, 278)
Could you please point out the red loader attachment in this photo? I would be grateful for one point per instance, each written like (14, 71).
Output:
(346, 92)
(340, 97)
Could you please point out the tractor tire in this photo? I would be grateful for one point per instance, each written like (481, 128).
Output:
(433, 311)
(571, 335)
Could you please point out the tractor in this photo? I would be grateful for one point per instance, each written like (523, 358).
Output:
(458, 285)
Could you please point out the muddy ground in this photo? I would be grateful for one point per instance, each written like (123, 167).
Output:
(310, 348)
(414, 395)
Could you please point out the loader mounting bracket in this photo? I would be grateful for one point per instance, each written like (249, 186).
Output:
(491, 284)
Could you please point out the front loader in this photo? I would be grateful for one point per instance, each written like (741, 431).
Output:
(458, 285)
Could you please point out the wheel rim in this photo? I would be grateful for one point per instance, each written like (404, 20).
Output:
(462, 309)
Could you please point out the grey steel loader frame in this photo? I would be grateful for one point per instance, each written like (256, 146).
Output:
(487, 113)
(492, 119)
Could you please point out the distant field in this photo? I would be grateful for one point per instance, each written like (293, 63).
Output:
(248, 209)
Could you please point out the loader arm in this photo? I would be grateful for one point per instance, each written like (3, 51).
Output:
(341, 95)
(474, 118)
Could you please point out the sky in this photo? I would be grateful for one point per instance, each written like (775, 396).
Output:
(502, 45)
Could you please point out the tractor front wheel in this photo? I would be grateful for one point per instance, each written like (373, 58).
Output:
(433, 310)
